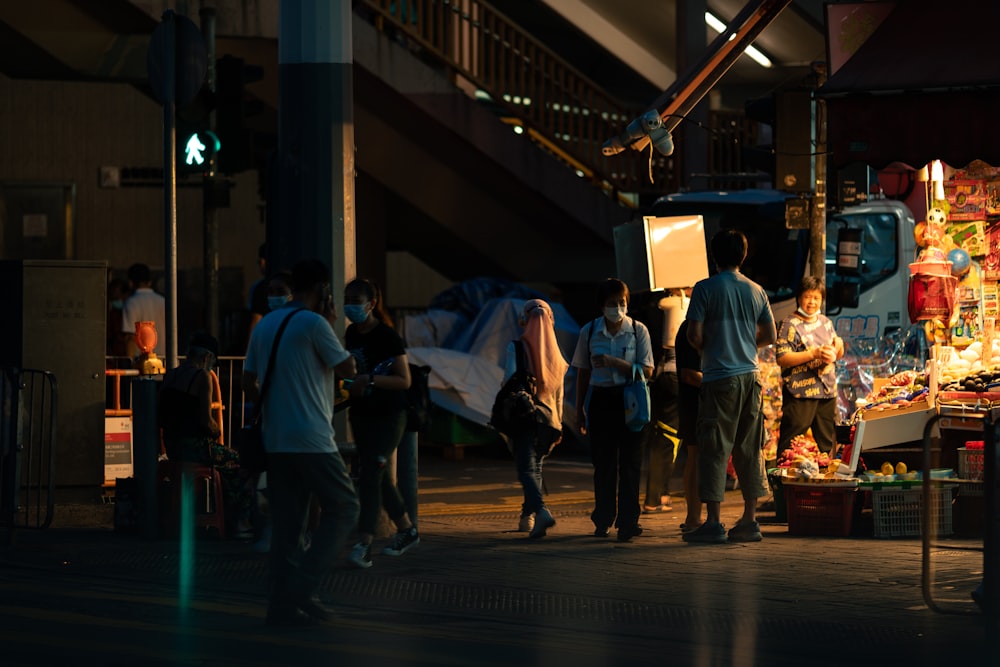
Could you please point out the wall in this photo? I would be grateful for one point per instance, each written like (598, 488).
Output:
(64, 132)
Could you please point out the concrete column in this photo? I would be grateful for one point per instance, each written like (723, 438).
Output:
(313, 215)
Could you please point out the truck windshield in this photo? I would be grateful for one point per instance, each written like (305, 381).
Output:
(879, 255)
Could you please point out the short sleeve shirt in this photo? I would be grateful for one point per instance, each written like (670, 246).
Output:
(371, 349)
(815, 378)
(297, 411)
(145, 305)
(631, 342)
(730, 306)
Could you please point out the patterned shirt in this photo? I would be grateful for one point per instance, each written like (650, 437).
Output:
(815, 378)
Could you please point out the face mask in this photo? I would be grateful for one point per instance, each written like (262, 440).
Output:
(275, 302)
(356, 312)
(803, 313)
(614, 313)
(118, 304)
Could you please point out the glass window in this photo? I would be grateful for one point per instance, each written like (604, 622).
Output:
(879, 258)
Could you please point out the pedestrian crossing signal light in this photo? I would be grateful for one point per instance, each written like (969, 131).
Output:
(197, 150)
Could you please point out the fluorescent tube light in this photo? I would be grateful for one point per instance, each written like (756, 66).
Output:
(719, 27)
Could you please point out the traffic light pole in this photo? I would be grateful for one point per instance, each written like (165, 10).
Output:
(210, 224)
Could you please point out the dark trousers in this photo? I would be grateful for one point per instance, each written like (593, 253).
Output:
(617, 456)
(377, 439)
(292, 481)
(798, 415)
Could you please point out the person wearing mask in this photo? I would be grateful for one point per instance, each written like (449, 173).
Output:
(279, 290)
(378, 417)
(297, 429)
(806, 350)
(144, 305)
(605, 353)
(545, 362)
(729, 318)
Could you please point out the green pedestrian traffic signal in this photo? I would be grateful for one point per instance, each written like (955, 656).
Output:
(196, 150)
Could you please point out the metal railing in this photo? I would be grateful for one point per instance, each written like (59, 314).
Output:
(558, 106)
(28, 410)
(228, 405)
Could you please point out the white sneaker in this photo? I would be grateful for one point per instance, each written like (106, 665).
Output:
(526, 523)
(543, 521)
(361, 555)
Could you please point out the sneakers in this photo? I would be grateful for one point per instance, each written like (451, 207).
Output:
(526, 523)
(745, 532)
(543, 521)
(707, 533)
(361, 555)
(402, 542)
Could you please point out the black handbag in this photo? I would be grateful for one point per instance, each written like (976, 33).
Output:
(250, 440)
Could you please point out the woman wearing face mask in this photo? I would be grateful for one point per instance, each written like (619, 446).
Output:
(605, 352)
(806, 350)
(377, 415)
(279, 290)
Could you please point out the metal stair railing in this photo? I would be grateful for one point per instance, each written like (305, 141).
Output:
(559, 107)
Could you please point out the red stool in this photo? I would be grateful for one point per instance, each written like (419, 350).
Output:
(208, 497)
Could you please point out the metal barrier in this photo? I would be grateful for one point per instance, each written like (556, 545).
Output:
(983, 421)
(227, 394)
(28, 410)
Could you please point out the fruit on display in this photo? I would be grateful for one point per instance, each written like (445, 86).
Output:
(974, 362)
(902, 389)
(888, 469)
(900, 468)
(980, 381)
(803, 448)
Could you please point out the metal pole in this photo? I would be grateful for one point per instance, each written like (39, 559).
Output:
(210, 243)
(817, 231)
(170, 183)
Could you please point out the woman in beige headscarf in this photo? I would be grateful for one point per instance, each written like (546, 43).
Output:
(546, 363)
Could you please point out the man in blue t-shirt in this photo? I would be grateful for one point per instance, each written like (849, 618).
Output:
(728, 319)
(297, 428)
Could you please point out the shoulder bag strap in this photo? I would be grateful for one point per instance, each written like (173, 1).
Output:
(520, 364)
(270, 363)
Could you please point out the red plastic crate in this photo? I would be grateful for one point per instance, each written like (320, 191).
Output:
(817, 510)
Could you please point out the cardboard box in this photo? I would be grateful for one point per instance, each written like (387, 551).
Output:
(967, 199)
(970, 236)
(895, 410)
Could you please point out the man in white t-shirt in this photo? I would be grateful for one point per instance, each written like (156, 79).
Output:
(297, 427)
(144, 305)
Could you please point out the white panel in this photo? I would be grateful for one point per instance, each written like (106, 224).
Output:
(676, 250)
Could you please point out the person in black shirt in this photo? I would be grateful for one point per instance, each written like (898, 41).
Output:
(377, 416)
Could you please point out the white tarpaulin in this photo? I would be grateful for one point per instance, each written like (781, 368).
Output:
(466, 376)
(460, 382)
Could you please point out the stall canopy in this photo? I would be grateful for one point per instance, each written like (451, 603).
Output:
(924, 86)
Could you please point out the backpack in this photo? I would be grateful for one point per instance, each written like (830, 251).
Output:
(418, 399)
(515, 410)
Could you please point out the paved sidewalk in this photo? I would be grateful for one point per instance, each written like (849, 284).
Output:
(774, 602)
